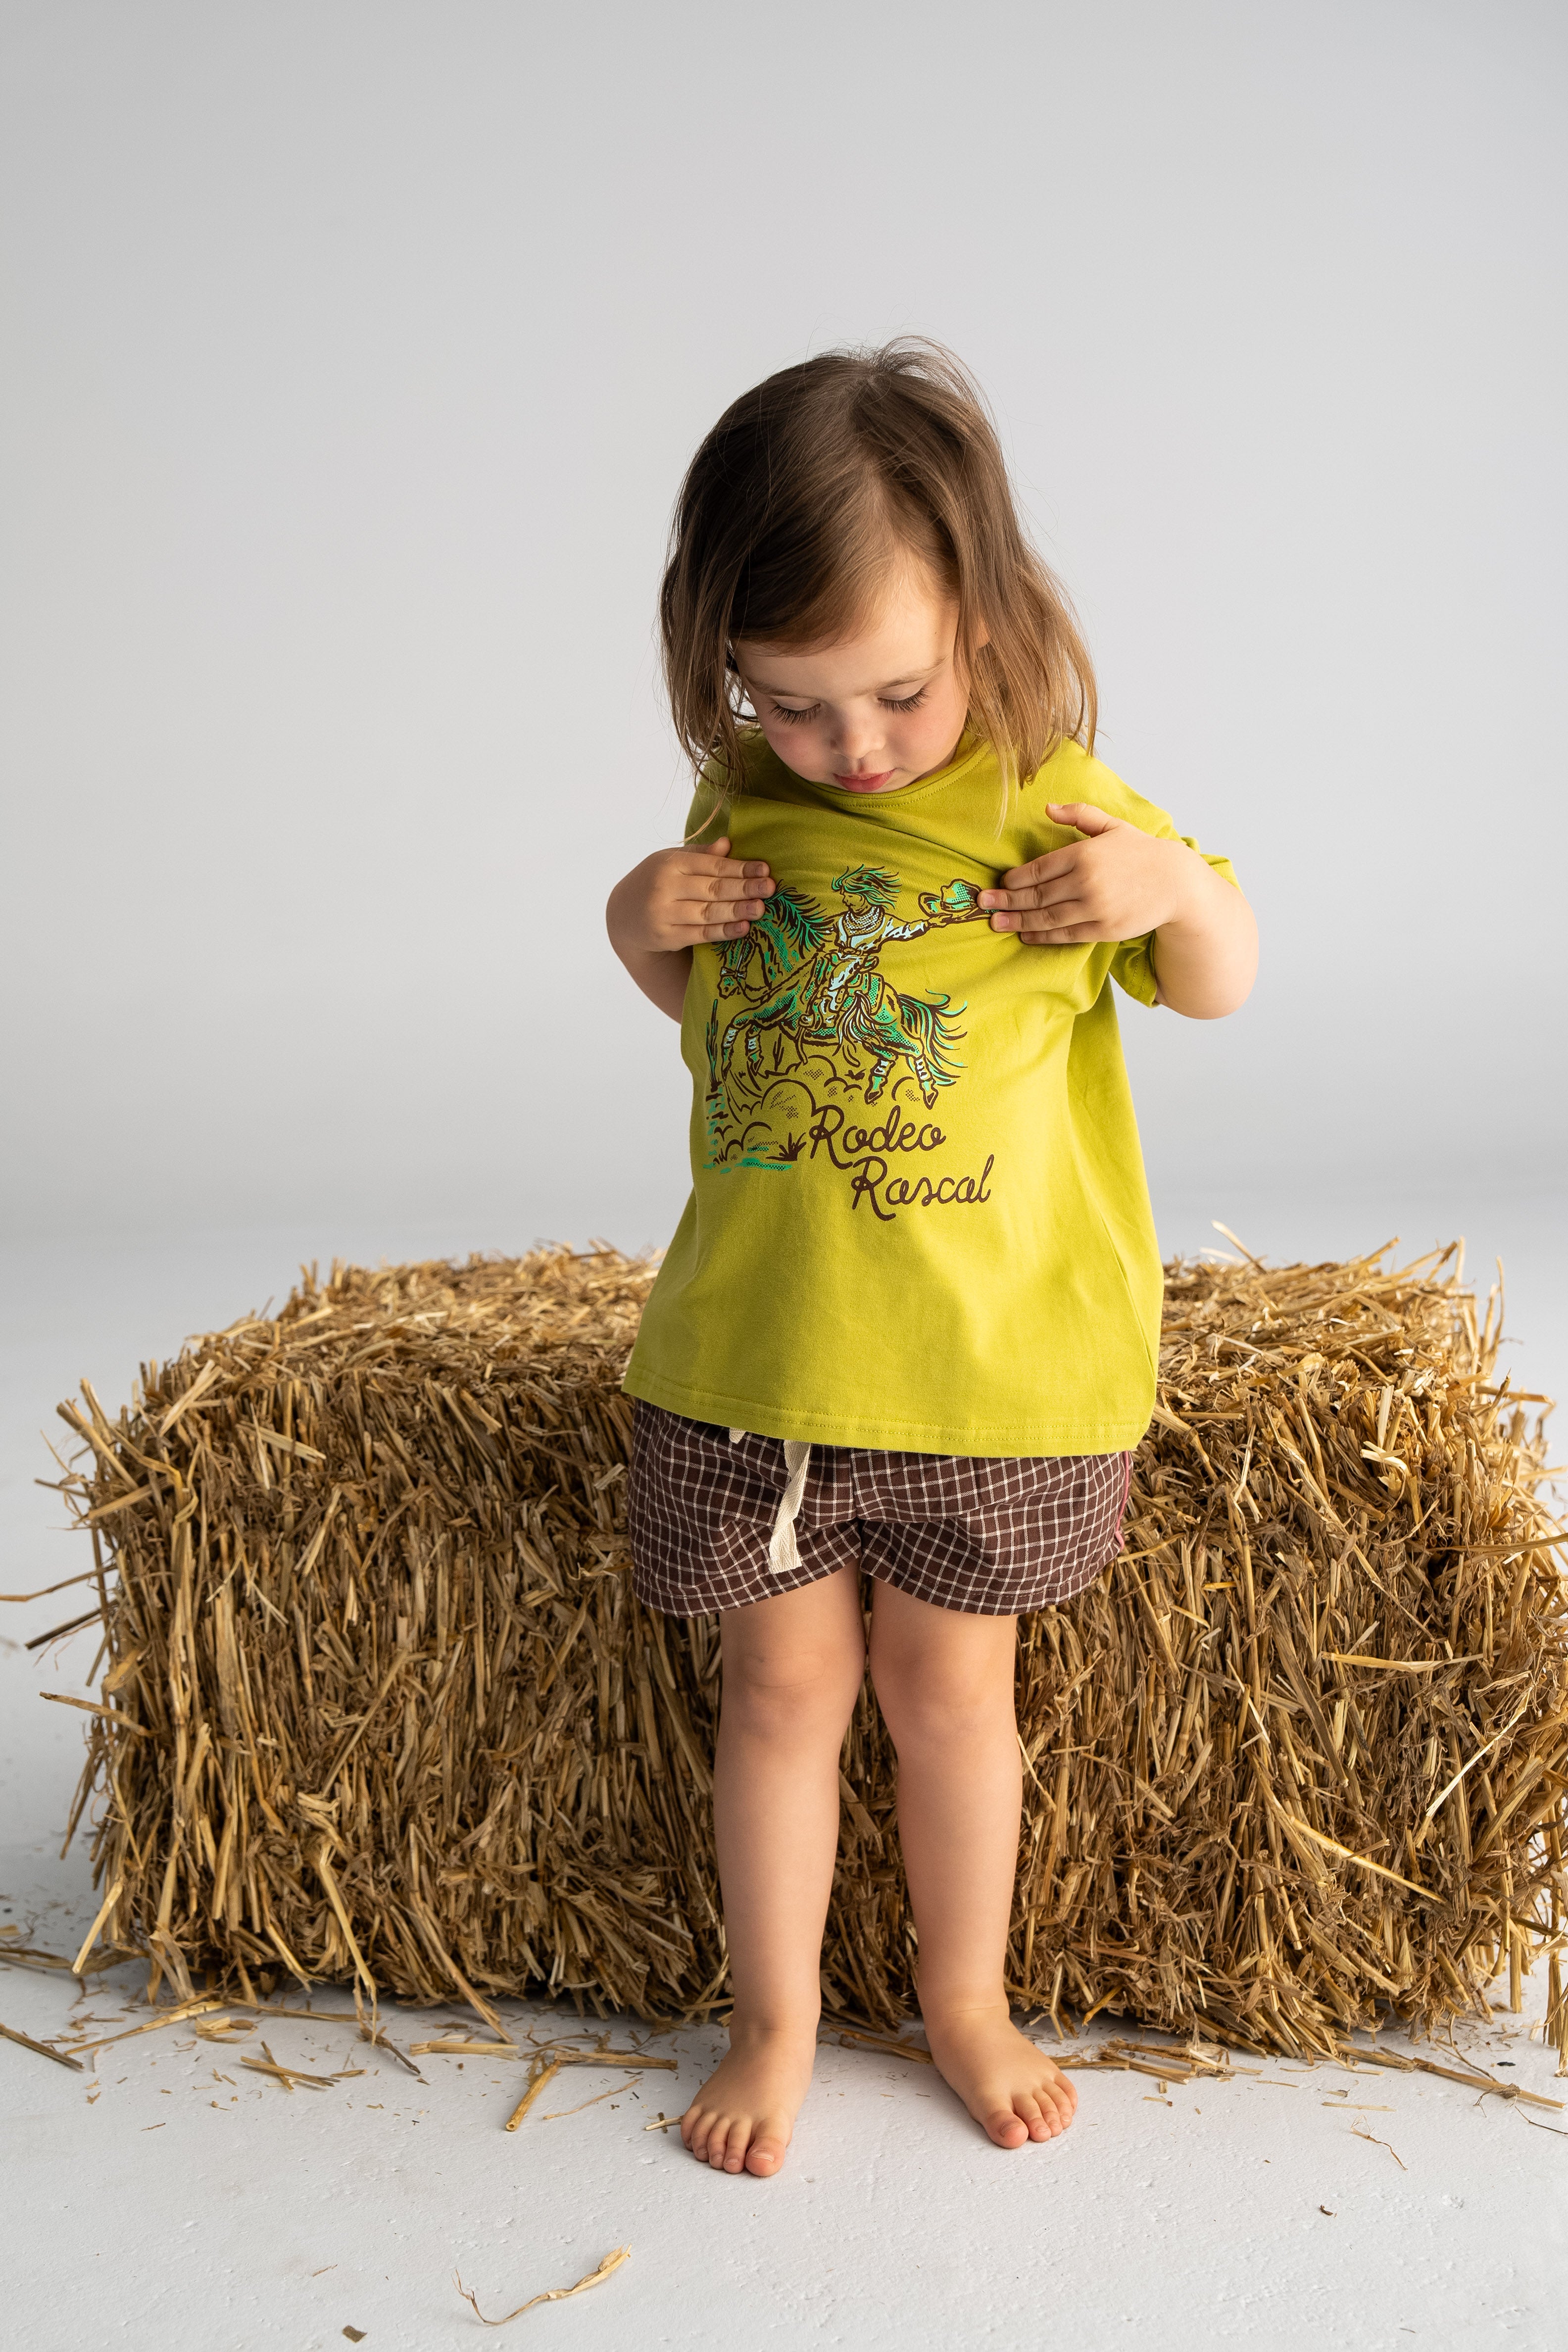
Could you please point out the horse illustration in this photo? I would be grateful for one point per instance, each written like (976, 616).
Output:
(820, 987)
(782, 941)
(791, 927)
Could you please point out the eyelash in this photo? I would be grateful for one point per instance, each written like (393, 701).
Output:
(793, 717)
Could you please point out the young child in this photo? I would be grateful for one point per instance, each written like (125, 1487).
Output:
(908, 1322)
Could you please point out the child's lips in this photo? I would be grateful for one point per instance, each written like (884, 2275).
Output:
(863, 784)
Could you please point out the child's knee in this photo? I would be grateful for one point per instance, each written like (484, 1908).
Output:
(927, 1698)
(774, 1689)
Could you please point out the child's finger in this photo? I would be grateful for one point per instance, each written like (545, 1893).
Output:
(687, 927)
(1062, 892)
(1082, 816)
(1067, 935)
(724, 922)
(718, 852)
(1058, 868)
(696, 901)
(717, 908)
(1046, 922)
(1064, 915)
(736, 878)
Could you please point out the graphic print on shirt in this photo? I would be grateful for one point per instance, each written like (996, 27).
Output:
(804, 1021)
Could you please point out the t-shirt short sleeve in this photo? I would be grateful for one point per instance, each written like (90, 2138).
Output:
(704, 819)
(1087, 778)
(1132, 965)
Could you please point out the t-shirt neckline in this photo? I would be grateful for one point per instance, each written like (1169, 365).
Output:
(835, 796)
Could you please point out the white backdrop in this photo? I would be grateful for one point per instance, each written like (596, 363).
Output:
(353, 354)
(350, 354)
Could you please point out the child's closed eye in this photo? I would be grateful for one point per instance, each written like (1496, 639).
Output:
(792, 718)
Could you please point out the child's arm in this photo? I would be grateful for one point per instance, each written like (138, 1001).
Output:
(1119, 882)
(658, 911)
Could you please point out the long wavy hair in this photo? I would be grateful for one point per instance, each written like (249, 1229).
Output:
(808, 493)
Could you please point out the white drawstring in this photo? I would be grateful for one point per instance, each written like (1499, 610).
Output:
(783, 1551)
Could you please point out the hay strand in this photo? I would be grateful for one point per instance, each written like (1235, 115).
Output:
(287, 2076)
(90, 1939)
(541, 2071)
(26, 2042)
(560, 2114)
(610, 2264)
(180, 2015)
(27, 1956)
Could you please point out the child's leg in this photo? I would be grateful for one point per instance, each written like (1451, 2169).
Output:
(793, 1670)
(944, 1683)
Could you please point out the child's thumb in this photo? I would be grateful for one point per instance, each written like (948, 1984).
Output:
(1081, 814)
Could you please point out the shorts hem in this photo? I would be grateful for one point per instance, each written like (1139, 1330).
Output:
(688, 1606)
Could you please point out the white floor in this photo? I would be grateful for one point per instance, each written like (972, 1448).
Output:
(260, 2219)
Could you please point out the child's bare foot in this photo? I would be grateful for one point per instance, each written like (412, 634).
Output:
(743, 2117)
(1007, 2085)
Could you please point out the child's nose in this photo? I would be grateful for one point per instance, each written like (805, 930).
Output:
(856, 738)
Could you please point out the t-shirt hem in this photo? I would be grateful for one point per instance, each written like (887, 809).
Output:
(827, 1426)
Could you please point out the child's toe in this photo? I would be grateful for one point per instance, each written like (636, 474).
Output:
(1007, 2128)
(767, 2153)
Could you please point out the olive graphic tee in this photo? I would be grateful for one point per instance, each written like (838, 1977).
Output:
(919, 1218)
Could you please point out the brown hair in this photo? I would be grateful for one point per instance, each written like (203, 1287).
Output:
(801, 499)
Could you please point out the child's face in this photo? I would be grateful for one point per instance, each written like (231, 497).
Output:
(883, 709)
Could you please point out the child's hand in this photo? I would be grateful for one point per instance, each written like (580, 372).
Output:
(677, 896)
(1116, 884)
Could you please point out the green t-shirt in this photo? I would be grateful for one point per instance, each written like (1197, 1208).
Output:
(919, 1218)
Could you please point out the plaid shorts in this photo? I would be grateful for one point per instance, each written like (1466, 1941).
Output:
(994, 1538)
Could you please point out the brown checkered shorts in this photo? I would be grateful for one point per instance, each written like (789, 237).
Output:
(994, 1538)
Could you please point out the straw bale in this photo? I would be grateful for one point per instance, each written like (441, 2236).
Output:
(380, 1705)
